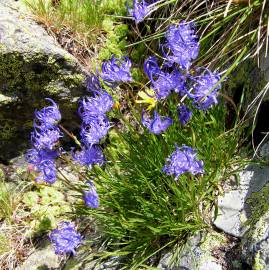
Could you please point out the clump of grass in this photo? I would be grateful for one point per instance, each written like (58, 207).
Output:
(15, 245)
(81, 26)
(9, 201)
(14, 242)
(80, 16)
(142, 210)
(5, 244)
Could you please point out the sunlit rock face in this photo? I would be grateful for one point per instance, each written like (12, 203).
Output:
(32, 67)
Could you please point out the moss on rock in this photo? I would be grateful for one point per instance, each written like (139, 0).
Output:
(25, 81)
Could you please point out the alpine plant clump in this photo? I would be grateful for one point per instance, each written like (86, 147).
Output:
(175, 75)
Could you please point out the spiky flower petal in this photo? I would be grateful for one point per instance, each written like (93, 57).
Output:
(116, 70)
(141, 9)
(91, 133)
(99, 104)
(205, 89)
(89, 156)
(181, 44)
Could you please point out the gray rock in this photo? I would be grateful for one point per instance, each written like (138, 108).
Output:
(250, 78)
(197, 254)
(255, 244)
(77, 264)
(32, 67)
(263, 151)
(233, 209)
(44, 258)
(264, 59)
(16, 173)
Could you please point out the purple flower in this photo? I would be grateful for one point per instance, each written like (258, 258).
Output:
(184, 114)
(93, 84)
(92, 132)
(116, 70)
(90, 197)
(45, 138)
(35, 156)
(94, 106)
(65, 238)
(164, 81)
(47, 168)
(204, 94)
(151, 66)
(158, 124)
(183, 160)
(89, 156)
(182, 44)
(43, 161)
(48, 116)
(141, 9)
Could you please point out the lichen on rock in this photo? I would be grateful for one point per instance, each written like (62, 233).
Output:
(255, 244)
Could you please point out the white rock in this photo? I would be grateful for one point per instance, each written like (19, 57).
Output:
(232, 206)
(196, 254)
(45, 258)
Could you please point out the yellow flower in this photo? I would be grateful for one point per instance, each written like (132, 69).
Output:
(116, 105)
(147, 97)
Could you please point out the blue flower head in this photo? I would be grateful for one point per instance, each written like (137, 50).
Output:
(45, 138)
(48, 116)
(116, 70)
(93, 83)
(151, 66)
(205, 90)
(141, 9)
(89, 156)
(35, 157)
(47, 168)
(44, 163)
(183, 159)
(158, 124)
(181, 44)
(90, 197)
(65, 238)
(99, 104)
(92, 132)
(164, 81)
(184, 114)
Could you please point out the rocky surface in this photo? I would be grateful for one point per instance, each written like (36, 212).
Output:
(32, 67)
(204, 251)
(255, 244)
(233, 209)
(43, 258)
(265, 64)
(244, 213)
